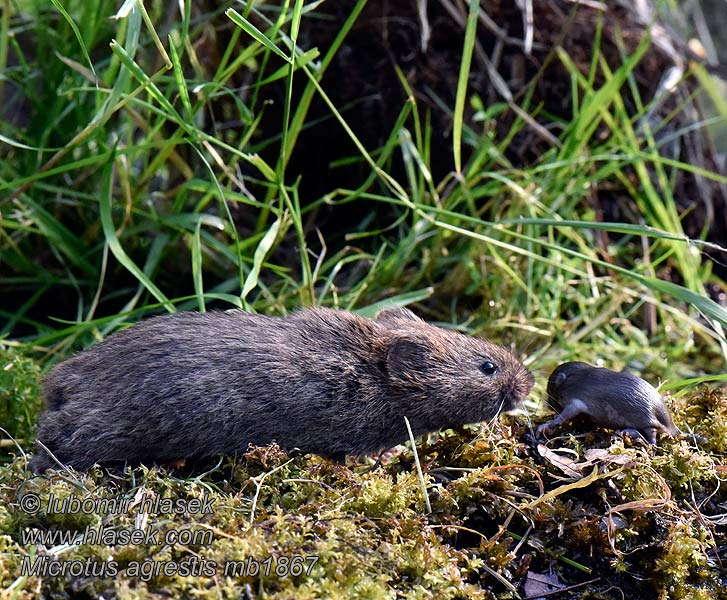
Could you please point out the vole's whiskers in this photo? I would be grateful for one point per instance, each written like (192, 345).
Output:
(523, 349)
(526, 412)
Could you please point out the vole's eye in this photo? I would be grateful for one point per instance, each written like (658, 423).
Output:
(489, 368)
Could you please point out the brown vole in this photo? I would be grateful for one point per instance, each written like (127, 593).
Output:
(192, 385)
(611, 399)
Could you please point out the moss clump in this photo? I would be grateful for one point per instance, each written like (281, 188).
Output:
(683, 564)
(380, 496)
(686, 470)
(706, 413)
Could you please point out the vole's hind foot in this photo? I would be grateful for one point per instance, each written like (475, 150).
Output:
(40, 462)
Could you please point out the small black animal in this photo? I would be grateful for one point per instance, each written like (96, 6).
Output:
(611, 399)
(193, 385)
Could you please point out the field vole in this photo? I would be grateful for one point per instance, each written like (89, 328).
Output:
(192, 385)
(611, 399)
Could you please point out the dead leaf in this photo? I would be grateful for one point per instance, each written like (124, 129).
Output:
(564, 463)
(540, 583)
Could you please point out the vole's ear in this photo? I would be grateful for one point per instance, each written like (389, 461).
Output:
(406, 357)
(389, 315)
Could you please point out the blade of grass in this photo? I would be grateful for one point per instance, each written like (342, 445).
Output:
(4, 41)
(462, 80)
(306, 290)
(179, 77)
(303, 59)
(295, 24)
(148, 83)
(692, 381)
(262, 250)
(117, 250)
(197, 266)
(255, 33)
(77, 33)
(60, 237)
(397, 301)
(228, 214)
(154, 35)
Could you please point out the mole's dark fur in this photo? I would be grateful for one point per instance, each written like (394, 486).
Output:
(611, 399)
(192, 385)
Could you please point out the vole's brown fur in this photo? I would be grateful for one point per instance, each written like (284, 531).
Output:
(192, 385)
(617, 400)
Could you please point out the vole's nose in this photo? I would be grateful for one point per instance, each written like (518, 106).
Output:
(516, 390)
(527, 383)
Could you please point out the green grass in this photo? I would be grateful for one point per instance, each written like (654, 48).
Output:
(124, 192)
(150, 127)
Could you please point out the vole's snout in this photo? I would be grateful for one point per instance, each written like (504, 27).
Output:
(529, 383)
(508, 401)
(523, 384)
(517, 389)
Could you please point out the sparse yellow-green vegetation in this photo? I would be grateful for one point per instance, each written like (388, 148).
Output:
(557, 197)
(502, 507)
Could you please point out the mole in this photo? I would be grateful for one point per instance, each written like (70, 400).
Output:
(617, 400)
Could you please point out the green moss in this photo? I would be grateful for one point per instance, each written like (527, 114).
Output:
(378, 495)
(683, 564)
(624, 513)
(706, 413)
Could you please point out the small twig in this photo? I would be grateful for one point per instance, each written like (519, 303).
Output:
(426, 30)
(321, 483)
(526, 7)
(522, 541)
(259, 485)
(11, 442)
